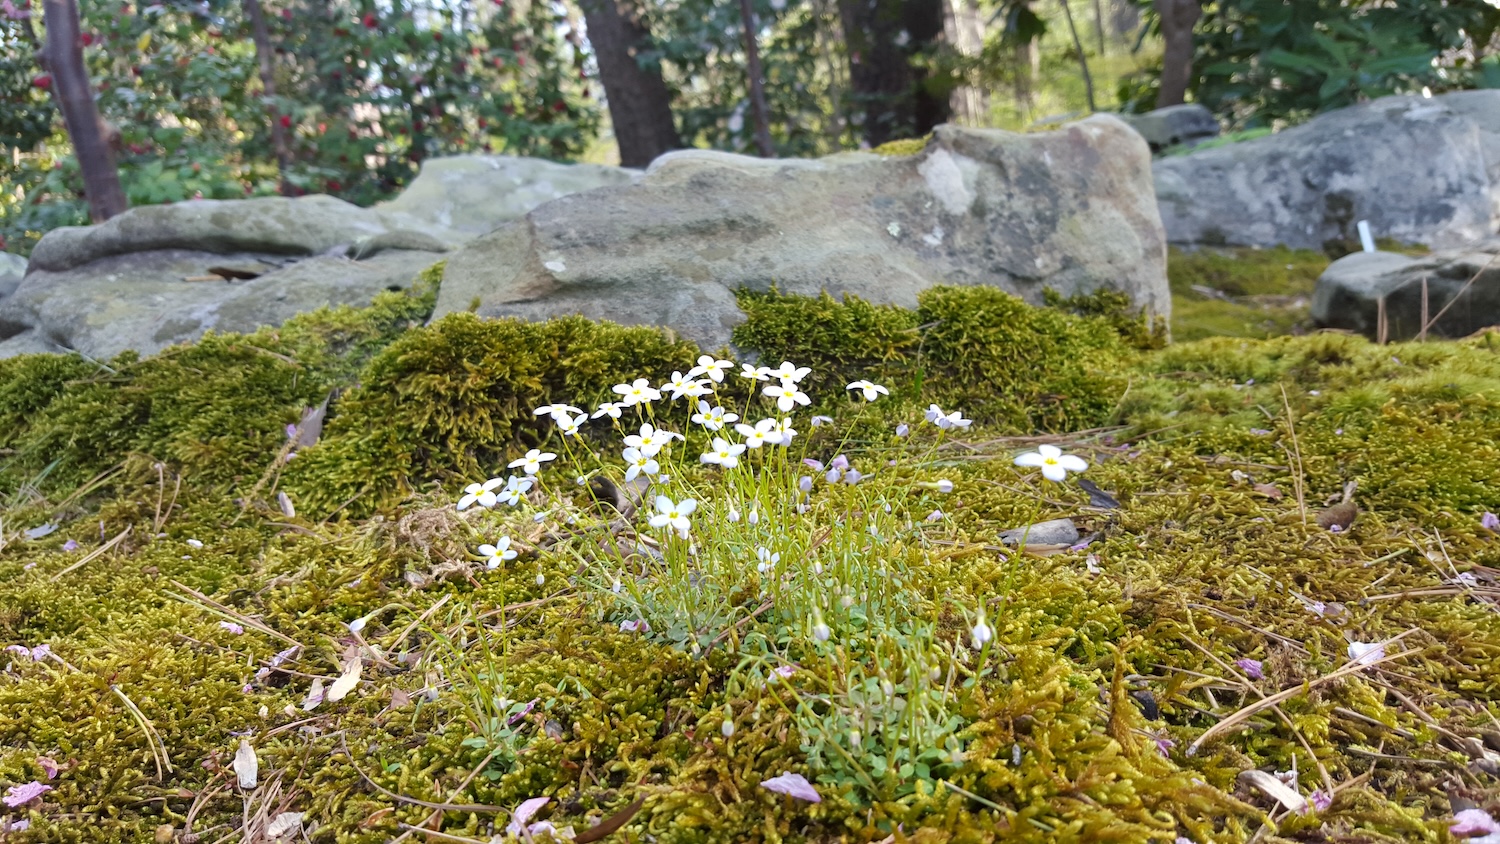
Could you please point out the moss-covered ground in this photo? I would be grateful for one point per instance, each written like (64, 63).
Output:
(192, 553)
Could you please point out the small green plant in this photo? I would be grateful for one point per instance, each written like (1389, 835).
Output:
(785, 560)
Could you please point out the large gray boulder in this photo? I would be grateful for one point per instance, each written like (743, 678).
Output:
(12, 268)
(1188, 124)
(1072, 210)
(158, 275)
(1350, 291)
(474, 194)
(138, 280)
(1420, 170)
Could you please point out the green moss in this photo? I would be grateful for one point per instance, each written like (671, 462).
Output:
(1241, 292)
(449, 401)
(1201, 565)
(976, 348)
(903, 146)
(216, 408)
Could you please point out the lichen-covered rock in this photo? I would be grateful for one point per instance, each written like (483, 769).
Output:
(473, 194)
(151, 277)
(1420, 170)
(147, 301)
(309, 225)
(1349, 292)
(1071, 210)
(12, 267)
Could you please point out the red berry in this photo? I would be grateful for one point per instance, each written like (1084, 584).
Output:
(286, 121)
(370, 21)
(44, 81)
(87, 38)
(286, 14)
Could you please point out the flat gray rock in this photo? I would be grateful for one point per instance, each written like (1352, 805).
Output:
(146, 302)
(1072, 210)
(1053, 532)
(1420, 170)
(12, 267)
(474, 194)
(1349, 292)
(1188, 124)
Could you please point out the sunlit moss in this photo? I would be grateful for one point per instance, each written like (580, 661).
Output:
(1212, 557)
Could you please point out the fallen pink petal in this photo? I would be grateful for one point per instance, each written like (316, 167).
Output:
(793, 785)
(20, 795)
(523, 813)
(1471, 823)
(48, 765)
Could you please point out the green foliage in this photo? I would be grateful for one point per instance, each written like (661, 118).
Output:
(362, 97)
(1262, 63)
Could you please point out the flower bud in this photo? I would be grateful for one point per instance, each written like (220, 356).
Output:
(727, 728)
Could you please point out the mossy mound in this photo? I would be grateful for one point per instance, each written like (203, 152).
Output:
(187, 606)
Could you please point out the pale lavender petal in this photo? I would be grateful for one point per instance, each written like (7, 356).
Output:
(20, 795)
(1473, 822)
(793, 785)
(523, 813)
(49, 766)
(1251, 667)
(1490, 521)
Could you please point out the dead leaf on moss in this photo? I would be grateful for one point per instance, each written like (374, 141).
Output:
(1268, 490)
(1097, 496)
(1274, 788)
(346, 681)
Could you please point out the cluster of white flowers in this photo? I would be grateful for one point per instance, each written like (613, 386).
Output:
(514, 488)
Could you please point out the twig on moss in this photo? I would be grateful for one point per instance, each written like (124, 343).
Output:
(94, 554)
(459, 789)
(204, 602)
(153, 738)
(1234, 619)
(1297, 478)
(1245, 684)
(432, 833)
(1287, 694)
(449, 807)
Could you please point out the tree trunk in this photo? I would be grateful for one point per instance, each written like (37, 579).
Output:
(883, 36)
(757, 84)
(964, 28)
(261, 34)
(62, 56)
(1178, 17)
(640, 106)
(1099, 25)
(1083, 60)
